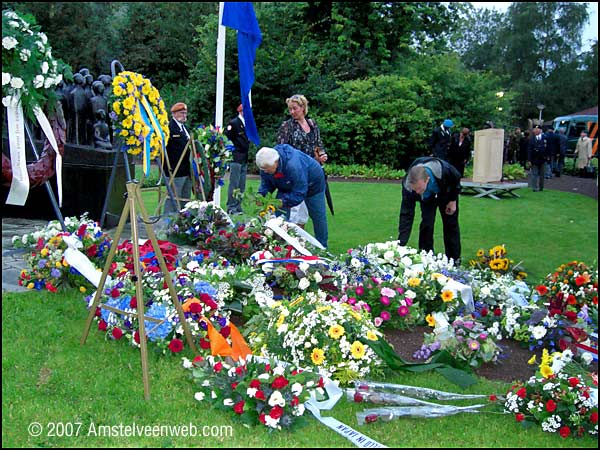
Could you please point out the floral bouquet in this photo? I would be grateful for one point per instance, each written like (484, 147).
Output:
(326, 336)
(236, 244)
(198, 298)
(386, 302)
(497, 261)
(29, 71)
(257, 391)
(215, 153)
(45, 258)
(139, 115)
(559, 397)
(197, 222)
(465, 340)
(434, 291)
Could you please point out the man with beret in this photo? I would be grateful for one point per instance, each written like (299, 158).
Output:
(297, 177)
(236, 132)
(178, 140)
(439, 142)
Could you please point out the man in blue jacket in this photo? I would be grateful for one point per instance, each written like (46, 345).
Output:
(297, 177)
(435, 184)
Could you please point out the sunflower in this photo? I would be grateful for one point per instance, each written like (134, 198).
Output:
(317, 356)
(336, 331)
(447, 296)
(358, 350)
(480, 252)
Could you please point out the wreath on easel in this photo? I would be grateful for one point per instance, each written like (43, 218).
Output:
(140, 117)
(213, 156)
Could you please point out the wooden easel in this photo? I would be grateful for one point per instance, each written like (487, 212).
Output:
(129, 210)
(161, 199)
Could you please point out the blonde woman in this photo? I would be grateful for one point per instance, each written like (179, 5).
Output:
(302, 133)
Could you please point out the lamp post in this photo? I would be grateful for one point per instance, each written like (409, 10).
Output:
(540, 106)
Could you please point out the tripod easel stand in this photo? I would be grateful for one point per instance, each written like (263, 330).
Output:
(133, 197)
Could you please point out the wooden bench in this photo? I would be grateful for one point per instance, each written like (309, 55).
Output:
(492, 190)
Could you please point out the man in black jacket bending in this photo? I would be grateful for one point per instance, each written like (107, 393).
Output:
(436, 185)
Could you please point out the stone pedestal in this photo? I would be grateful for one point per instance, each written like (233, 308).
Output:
(487, 161)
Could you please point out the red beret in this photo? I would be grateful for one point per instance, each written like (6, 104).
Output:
(240, 108)
(178, 107)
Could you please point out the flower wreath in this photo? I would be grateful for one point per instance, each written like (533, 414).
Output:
(140, 116)
(28, 69)
(215, 154)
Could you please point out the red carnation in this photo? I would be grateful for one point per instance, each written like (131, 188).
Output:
(204, 344)
(260, 395)
(493, 398)
(276, 412)
(234, 385)
(176, 345)
(497, 312)
(239, 407)
(198, 359)
(573, 381)
(580, 280)
(520, 417)
(358, 398)
(255, 384)
(550, 406)
(484, 312)
(136, 337)
(91, 252)
(195, 308)
(279, 383)
(218, 367)
(133, 302)
(594, 417)
(295, 401)
(115, 293)
(225, 331)
(571, 299)
(572, 316)
(261, 417)
(208, 301)
(117, 333)
(522, 393)
(102, 325)
(542, 290)
(564, 431)
(291, 267)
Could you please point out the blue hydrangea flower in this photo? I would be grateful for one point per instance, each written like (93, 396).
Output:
(162, 331)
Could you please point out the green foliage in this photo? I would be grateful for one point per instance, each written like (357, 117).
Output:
(378, 171)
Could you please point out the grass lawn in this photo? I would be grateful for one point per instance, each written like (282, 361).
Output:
(73, 390)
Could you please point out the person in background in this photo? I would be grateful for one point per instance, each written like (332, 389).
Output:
(514, 146)
(439, 142)
(178, 140)
(459, 152)
(583, 150)
(297, 177)
(435, 184)
(236, 132)
(523, 149)
(537, 157)
(302, 133)
(562, 151)
(553, 149)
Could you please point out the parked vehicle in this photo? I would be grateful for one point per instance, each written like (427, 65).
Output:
(573, 126)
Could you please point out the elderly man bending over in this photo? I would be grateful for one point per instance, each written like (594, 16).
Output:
(297, 177)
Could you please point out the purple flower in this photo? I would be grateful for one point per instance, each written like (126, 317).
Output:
(403, 311)
(360, 290)
(385, 300)
(351, 301)
(483, 336)
(408, 301)
(55, 273)
(42, 263)
(473, 345)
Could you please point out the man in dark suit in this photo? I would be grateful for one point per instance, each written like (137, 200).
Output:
(439, 142)
(459, 152)
(178, 140)
(537, 157)
(236, 132)
(435, 184)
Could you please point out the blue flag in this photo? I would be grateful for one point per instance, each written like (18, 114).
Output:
(240, 16)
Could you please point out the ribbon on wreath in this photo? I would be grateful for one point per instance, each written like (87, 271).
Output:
(147, 116)
(219, 346)
(19, 187)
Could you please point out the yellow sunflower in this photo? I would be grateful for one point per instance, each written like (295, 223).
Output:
(358, 350)
(336, 331)
(317, 356)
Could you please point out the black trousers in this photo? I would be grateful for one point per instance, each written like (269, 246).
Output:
(428, 211)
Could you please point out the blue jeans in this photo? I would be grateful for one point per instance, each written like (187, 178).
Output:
(183, 191)
(318, 213)
(237, 180)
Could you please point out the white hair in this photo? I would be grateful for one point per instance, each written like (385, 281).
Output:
(266, 157)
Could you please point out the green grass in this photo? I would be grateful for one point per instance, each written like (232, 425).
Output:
(48, 377)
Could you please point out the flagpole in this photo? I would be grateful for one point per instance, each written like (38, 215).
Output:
(220, 88)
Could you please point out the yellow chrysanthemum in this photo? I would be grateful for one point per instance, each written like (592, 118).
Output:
(118, 91)
(128, 122)
(44, 252)
(372, 336)
(358, 350)
(414, 282)
(129, 103)
(124, 133)
(317, 356)
(336, 331)
(447, 296)
(430, 320)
